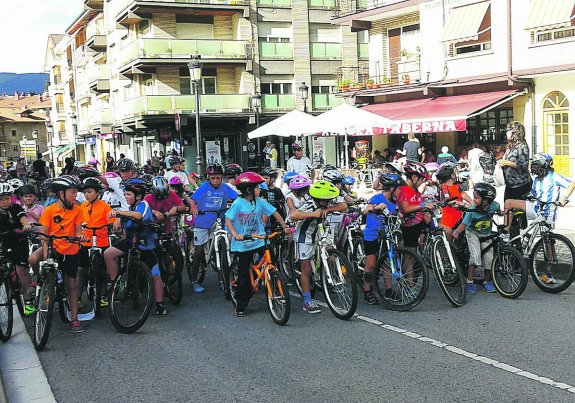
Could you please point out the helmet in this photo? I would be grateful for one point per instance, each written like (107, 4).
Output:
(540, 164)
(263, 186)
(296, 147)
(393, 166)
(6, 189)
(233, 169)
(388, 180)
(329, 167)
(136, 185)
(27, 190)
(160, 187)
(126, 164)
(16, 183)
(432, 166)
(333, 175)
(193, 175)
(65, 182)
(47, 184)
(416, 168)
(92, 183)
(216, 169)
(289, 176)
(486, 191)
(348, 180)
(87, 171)
(299, 182)
(109, 175)
(175, 160)
(323, 190)
(445, 172)
(175, 181)
(248, 179)
(268, 171)
(147, 178)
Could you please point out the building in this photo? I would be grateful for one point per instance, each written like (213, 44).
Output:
(456, 71)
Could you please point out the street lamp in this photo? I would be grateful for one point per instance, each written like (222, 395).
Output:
(195, 67)
(73, 118)
(50, 134)
(304, 95)
(256, 105)
(35, 138)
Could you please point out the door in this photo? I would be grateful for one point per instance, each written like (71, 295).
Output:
(556, 131)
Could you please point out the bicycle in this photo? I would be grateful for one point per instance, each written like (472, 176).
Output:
(544, 250)
(333, 274)
(265, 273)
(9, 290)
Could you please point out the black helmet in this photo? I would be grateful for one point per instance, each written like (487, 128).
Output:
(233, 169)
(388, 180)
(215, 169)
(136, 185)
(160, 187)
(485, 191)
(296, 146)
(541, 164)
(65, 182)
(175, 160)
(27, 190)
(147, 178)
(126, 164)
(87, 171)
(444, 172)
(92, 183)
(269, 171)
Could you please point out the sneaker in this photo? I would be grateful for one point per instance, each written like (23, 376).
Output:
(197, 287)
(221, 285)
(240, 312)
(391, 294)
(161, 310)
(489, 287)
(76, 327)
(29, 308)
(547, 278)
(104, 302)
(471, 290)
(311, 307)
(370, 298)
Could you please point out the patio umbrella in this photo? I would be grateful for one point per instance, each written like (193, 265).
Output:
(294, 123)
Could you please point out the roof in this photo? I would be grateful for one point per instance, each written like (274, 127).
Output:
(13, 115)
(28, 101)
(56, 38)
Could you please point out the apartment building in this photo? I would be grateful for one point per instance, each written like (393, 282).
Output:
(129, 84)
(456, 71)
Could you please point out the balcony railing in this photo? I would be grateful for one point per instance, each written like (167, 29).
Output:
(101, 116)
(277, 102)
(155, 48)
(276, 50)
(325, 51)
(363, 51)
(123, 4)
(326, 4)
(349, 7)
(166, 104)
(98, 72)
(325, 101)
(275, 3)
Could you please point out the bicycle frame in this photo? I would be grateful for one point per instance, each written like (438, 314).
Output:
(437, 234)
(536, 229)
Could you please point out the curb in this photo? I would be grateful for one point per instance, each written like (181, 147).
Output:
(19, 363)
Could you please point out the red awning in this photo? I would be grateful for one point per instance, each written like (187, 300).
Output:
(441, 114)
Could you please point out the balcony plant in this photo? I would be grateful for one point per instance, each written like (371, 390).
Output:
(384, 81)
(344, 85)
(406, 79)
(356, 86)
(405, 55)
(370, 84)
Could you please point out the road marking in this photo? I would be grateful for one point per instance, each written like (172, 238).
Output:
(459, 351)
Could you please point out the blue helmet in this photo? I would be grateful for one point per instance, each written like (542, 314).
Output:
(263, 186)
(348, 180)
(289, 176)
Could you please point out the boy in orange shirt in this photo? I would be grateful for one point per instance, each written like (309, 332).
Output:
(451, 217)
(63, 218)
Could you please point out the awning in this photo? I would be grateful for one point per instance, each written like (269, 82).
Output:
(441, 114)
(545, 14)
(464, 22)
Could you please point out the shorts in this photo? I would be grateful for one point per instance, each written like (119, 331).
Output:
(532, 214)
(201, 236)
(411, 234)
(475, 246)
(304, 251)
(67, 264)
(147, 256)
(84, 256)
(371, 247)
(18, 254)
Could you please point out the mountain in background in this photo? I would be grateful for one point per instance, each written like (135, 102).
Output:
(27, 82)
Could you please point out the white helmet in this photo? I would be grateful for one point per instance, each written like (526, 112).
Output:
(333, 175)
(6, 189)
(16, 183)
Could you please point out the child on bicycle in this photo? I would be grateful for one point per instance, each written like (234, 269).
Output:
(451, 216)
(245, 217)
(27, 196)
(477, 223)
(164, 202)
(64, 218)
(381, 203)
(139, 213)
(175, 163)
(211, 196)
(13, 217)
(323, 194)
(275, 196)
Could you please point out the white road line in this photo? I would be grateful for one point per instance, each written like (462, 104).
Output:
(459, 351)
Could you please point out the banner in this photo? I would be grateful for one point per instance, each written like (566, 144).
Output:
(436, 126)
(318, 151)
(213, 155)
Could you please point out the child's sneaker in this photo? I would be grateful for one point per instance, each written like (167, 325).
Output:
(197, 287)
(104, 302)
(489, 287)
(29, 308)
(240, 312)
(76, 327)
(311, 307)
(161, 310)
(370, 298)
(470, 288)
(547, 278)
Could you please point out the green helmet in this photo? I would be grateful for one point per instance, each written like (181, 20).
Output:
(323, 190)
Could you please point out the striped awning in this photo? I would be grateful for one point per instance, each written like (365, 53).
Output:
(464, 22)
(545, 14)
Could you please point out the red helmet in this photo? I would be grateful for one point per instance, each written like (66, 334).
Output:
(248, 179)
(416, 168)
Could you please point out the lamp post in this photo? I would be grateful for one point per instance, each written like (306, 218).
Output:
(50, 134)
(35, 138)
(73, 118)
(304, 95)
(256, 105)
(195, 67)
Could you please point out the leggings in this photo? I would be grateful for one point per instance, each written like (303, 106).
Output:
(244, 289)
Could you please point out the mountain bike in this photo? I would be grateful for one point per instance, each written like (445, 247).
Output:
(9, 289)
(96, 284)
(264, 273)
(545, 251)
(171, 262)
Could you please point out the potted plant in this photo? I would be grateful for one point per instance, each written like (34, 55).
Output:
(405, 78)
(405, 55)
(355, 86)
(370, 84)
(344, 85)
(384, 81)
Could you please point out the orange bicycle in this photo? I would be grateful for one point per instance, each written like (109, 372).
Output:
(265, 273)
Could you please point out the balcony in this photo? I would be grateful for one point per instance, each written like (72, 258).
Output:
(78, 56)
(277, 102)
(94, 4)
(276, 50)
(349, 7)
(101, 117)
(275, 3)
(322, 4)
(161, 51)
(325, 51)
(169, 104)
(98, 78)
(325, 101)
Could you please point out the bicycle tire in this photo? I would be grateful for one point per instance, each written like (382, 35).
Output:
(504, 273)
(232, 281)
(64, 310)
(172, 263)
(342, 285)
(404, 296)
(96, 280)
(563, 277)
(201, 269)
(224, 267)
(122, 289)
(17, 296)
(451, 279)
(6, 310)
(278, 297)
(44, 311)
(297, 281)
(358, 260)
(285, 259)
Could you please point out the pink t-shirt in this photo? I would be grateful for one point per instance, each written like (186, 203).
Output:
(164, 206)
(37, 209)
(413, 198)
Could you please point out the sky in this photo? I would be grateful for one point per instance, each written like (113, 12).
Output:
(24, 29)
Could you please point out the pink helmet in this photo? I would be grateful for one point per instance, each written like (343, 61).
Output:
(299, 182)
(432, 166)
(416, 168)
(193, 175)
(175, 181)
(248, 179)
(110, 175)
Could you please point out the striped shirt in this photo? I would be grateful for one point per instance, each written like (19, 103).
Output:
(548, 190)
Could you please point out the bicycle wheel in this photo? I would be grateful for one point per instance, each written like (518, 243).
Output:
(95, 282)
(338, 284)
(64, 309)
(172, 263)
(358, 260)
(555, 256)
(45, 311)
(201, 269)
(509, 272)
(232, 281)
(279, 303)
(6, 311)
(285, 259)
(131, 298)
(449, 274)
(224, 267)
(404, 287)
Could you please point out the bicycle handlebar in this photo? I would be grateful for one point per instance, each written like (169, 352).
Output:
(96, 228)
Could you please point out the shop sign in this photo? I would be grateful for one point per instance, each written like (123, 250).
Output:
(318, 151)
(434, 126)
(213, 155)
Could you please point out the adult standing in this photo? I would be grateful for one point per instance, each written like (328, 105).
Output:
(156, 162)
(162, 158)
(299, 163)
(273, 156)
(515, 163)
(21, 170)
(109, 162)
(266, 152)
(412, 148)
(40, 168)
(68, 166)
(475, 170)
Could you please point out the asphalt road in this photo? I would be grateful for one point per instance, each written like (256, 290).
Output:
(202, 352)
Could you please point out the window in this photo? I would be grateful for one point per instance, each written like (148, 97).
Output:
(277, 88)
(554, 35)
(556, 124)
(195, 19)
(478, 47)
(489, 127)
(323, 89)
(144, 27)
(13, 132)
(208, 83)
(15, 148)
